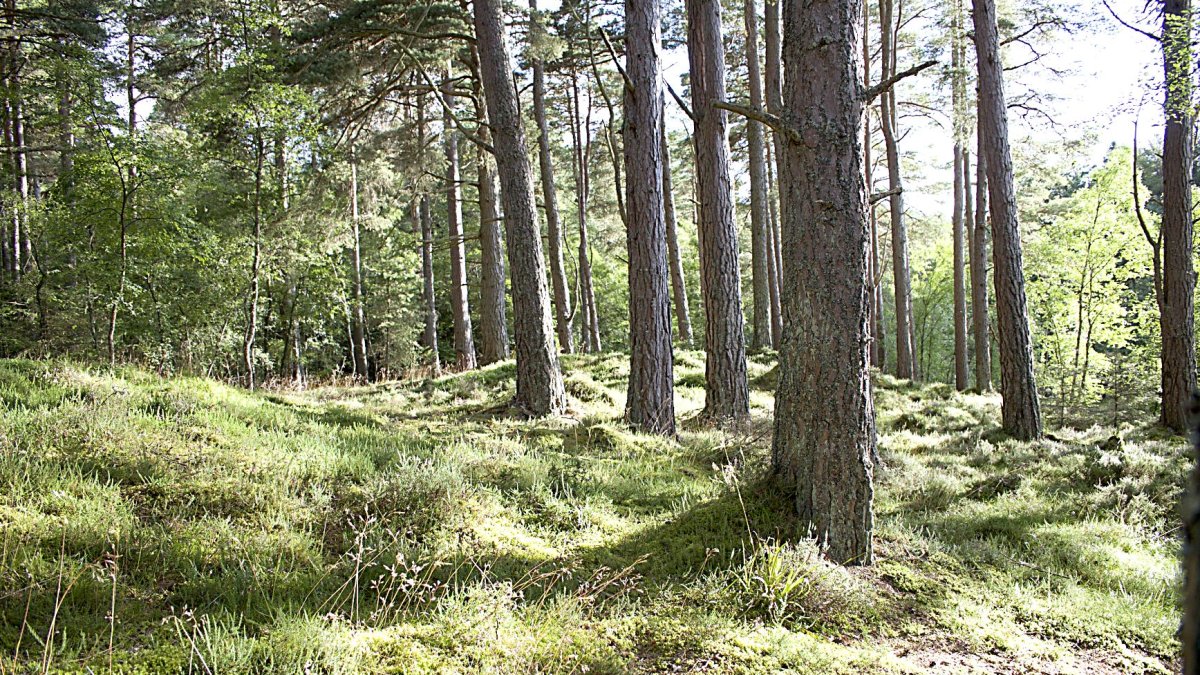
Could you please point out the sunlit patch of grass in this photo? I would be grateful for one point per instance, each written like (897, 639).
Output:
(420, 527)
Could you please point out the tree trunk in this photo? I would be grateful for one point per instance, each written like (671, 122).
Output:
(425, 223)
(726, 391)
(431, 315)
(683, 319)
(650, 404)
(774, 262)
(979, 278)
(824, 444)
(774, 101)
(581, 149)
(878, 350)
(1179, 277)
(759, 234)
(493, 313)
(358, 314)
(1189, 633)
(255, 266)
(958, 115)
(539, 380)
(1020, 411)
(464, 341)
(558, 271)
(905, 366)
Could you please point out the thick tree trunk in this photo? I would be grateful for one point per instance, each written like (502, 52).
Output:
(726, 390)
(824, 444)
(902, 280)
(650, 404)
(979, 278)
(683, 318)
(558, 271)
(1020, 410)
(358, 312)
(539, 380)
(1179, 277)
(760, 249)
(464, 339)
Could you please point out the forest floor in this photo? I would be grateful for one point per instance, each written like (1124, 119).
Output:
(182, 525)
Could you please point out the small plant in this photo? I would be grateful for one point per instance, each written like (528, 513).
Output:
(774, 581)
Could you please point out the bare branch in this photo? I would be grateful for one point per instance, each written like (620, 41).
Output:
(679, 99)
(884, 85)
(1128, 25)
(880, 196)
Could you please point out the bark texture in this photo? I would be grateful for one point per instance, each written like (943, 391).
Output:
(824, 441)
(1179, 276)
(1020, 410)
(650, 404)
(726, 391)
(539, 380)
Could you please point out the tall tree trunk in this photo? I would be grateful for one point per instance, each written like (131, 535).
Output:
(464, 340)
(774, 101)
(255, 266)
(683, 319)
(905, 345)
(581, 147)
(358, 312)
(958, 219)
(1020, 410)
(760, 269)
(558, 271)
(650, 404)
(979, 278)
(1179, 277)
(878, 349)
(493, 313)
(424, 218)
(824, 444)
(431, 314)
(539, 380)
(726, 391)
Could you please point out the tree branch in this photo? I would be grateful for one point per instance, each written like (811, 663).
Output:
(880, 196)
(763, 117)
(678, 99)
(884, 85)
(1128, 25)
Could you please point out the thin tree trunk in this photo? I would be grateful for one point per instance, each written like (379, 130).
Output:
(1020, 410)
(905, 366)
(539, 380)
(760, 269)
(1179, 276)
(255, 266)
(726, 390)
(358, 315)
(558, 271)
(424, 219)
(824, 444)
(958, 114)
(581, 147)
(683, 319)
(877, 338)
(774, 101)
(774, 262)
(650, 404)
(464, 340)
(979, 277)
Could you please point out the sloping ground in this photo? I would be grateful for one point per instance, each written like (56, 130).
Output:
(186, 526)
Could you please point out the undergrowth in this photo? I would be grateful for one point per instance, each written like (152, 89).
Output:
(182, 525)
